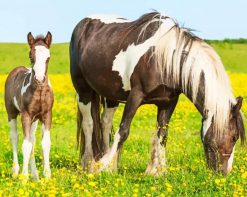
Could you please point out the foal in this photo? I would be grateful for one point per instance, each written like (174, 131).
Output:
(28, 92)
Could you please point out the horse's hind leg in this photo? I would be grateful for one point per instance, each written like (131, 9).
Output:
(84, 105)
(107, 119)
(34, 172)
(134, 100)
(157, 164)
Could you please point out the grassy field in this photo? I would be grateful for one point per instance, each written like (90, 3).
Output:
(186, 175)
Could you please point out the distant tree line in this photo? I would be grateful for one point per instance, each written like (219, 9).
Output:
(228, 40)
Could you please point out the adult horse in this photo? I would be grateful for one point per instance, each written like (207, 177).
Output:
(28, 92)
(150, 61)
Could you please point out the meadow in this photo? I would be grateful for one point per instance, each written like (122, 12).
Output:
(187, 174)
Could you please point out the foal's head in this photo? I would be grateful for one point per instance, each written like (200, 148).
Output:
(220, 149)
(39, 55)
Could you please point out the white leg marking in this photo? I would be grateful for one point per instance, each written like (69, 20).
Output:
(16, 104)
(33, 168)
(87, 124)
(26, 150)
(41, 54)
(230, 161)
(107, 158)
(14, 136)
(107, 118)
(157, 164)
(126, 61)
(206, 124)
(46, 146)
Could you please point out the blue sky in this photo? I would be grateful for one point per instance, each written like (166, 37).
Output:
(213, 19)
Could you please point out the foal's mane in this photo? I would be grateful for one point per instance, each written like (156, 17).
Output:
(183, 59)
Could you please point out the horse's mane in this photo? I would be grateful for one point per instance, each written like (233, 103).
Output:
(183, 59)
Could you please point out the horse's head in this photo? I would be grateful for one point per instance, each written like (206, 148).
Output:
(219, 150)
(39, 55)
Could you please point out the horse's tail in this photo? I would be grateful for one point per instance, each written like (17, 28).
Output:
(97, 139)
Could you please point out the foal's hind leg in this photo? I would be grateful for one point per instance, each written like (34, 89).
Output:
(157, 164)
(34, 172)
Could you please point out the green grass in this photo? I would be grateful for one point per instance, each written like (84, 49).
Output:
(187, 174)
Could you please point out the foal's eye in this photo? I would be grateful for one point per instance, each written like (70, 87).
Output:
(234, 138)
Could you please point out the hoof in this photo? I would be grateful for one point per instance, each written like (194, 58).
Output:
(15, 170)
(47, 173)
(155, 170)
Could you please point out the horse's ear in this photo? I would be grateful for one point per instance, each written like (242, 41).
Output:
(48, 39)
(30, 39)
(237, 107)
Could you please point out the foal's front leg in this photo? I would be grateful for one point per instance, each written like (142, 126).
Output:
(46, 143)
(27, 142)
(157, 164)
(34, 172)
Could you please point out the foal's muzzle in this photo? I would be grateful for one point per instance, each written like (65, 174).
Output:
(38, 82)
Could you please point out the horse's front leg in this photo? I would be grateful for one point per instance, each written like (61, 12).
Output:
(133, 102)
(46, 143)
(157, 164)
(27, 142)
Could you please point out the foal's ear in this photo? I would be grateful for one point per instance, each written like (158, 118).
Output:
(238, 106)
(48, 39)
(30, 39)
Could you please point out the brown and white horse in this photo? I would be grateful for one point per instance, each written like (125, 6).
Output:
(149, 61)
(28, 92)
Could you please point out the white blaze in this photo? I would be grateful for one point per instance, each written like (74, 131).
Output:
(230, 161)
(41, 55)
(126, 61)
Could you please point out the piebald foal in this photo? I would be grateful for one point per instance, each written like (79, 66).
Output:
(28, 92)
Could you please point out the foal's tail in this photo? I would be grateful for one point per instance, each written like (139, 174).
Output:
(97, 138)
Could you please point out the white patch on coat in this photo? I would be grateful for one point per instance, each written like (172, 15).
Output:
(126, 61)
(41, 55)
(107, 159)
(230, 161)
(107, 19)
(26, 151)
(24, 87)
(16, 104)
(46, 146)
(14, 137)
(107, 118)
(206, 124)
